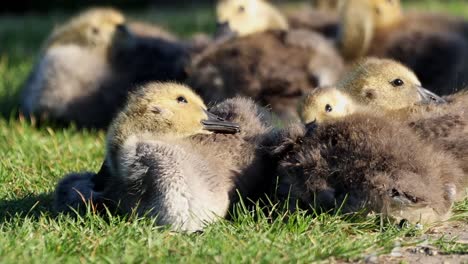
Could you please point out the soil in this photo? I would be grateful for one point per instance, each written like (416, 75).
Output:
(427, 253)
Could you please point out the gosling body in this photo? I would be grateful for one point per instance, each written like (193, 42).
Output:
(396, 91)
(364, 163)
(162, 163)
(392, 91)
(89, 64)
(265, 61)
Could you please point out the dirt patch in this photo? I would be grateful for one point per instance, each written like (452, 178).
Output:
(428, 251)
(415, 258)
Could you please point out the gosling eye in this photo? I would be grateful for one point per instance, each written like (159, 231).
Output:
(370, 94)
(241, 9)
(394, 192)
(182, 100)
(397, 82)
(95, 30)
(328, 108)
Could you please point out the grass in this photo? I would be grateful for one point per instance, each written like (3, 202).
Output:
(34, 159)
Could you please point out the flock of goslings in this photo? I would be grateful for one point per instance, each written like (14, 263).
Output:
(351, 105)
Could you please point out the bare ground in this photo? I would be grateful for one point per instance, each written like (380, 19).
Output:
(427, 251)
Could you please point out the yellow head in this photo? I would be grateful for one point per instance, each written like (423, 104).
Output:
(325, 104)
(165, 109)
(385, 84)
(93, 28)
(245, 17)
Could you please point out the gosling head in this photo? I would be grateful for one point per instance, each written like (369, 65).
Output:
(166, 109)
(408, 198)
(162, 110)
(386, 84)
(93, 28)
(325, 104)
(245, 17)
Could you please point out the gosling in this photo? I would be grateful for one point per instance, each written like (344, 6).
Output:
(164, 160)
(67, 83)
(263, 59)
(394, 90)
(89, 64)
(357, 161)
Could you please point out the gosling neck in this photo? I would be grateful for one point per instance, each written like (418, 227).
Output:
(119, 132)
(360, 25)
(122, 130)
(357, 30)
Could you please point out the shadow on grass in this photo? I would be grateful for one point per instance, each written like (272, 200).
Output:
(31, 206)
(9, 106)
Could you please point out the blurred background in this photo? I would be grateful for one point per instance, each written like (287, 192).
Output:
(24, 25)
(55, 5)
(49, 5)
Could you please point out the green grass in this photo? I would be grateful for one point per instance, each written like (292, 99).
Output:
(32, 160)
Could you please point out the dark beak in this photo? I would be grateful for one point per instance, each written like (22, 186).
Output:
(224, 31)
(310, 127)
(123, 29)
(428, 97)
(216, 124)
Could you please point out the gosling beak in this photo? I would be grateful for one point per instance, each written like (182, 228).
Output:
(428, 97)
(123, 29)
(310, 127)
(216, 124)
(224, 31)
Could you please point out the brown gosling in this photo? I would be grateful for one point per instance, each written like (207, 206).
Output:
(366, 163)
(443, 125)
(354, 156)
(266, 62)
(388, 87)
